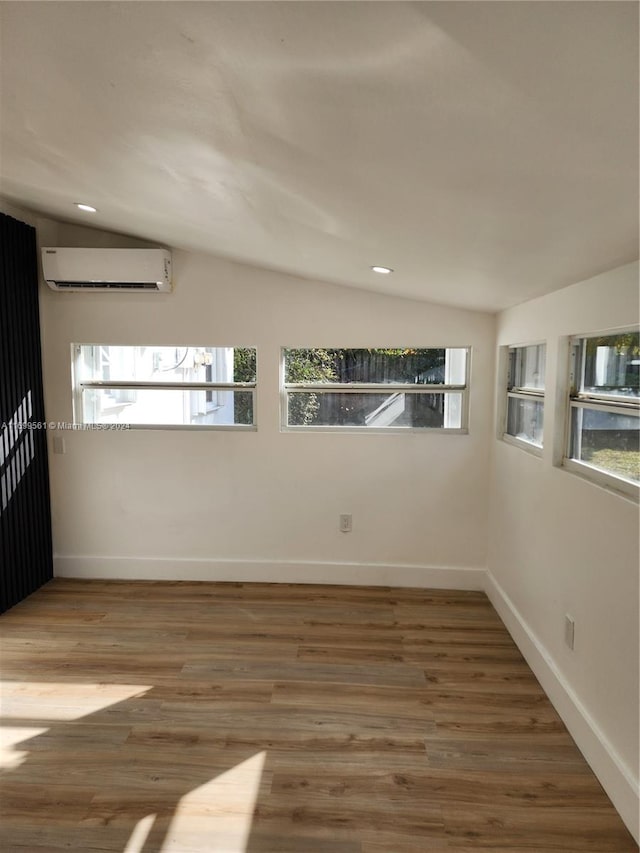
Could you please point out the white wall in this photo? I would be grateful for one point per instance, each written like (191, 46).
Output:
(560, 544)
(265, 504)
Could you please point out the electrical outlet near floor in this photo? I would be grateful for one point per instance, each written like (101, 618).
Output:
(346, 523)
(569, 630)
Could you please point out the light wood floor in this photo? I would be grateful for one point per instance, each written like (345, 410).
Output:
(249, 718)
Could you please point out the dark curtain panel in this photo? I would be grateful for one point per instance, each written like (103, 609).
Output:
(25, 520)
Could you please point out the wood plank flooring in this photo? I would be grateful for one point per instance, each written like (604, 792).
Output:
(258, 718)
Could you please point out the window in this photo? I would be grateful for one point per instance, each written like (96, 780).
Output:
(375, 389)
(604, 409)
(178, 386)
(525, 395)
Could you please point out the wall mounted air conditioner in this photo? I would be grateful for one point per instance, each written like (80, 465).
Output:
(90, 270)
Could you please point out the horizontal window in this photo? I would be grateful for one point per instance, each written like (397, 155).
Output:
(525, 394)
(527, 367)
(168, 406)
(606, 440)
(399, 409)
(401, 389)
(609, 366)
(604, 409)
(525, 419)
(164, 386)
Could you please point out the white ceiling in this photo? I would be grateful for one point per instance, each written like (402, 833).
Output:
(488, 152)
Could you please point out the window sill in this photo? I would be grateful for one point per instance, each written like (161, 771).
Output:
(533, 449)
(363, 430)
(623, 488)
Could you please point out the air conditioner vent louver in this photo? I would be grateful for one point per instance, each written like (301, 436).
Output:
(106, 270)
(108, 285)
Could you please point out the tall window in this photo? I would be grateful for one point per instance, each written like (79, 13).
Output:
(525, 394)
(375, 389)
(176, 386)
(604, 409)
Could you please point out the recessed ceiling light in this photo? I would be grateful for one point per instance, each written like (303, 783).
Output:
(85, 207)
(383, 270)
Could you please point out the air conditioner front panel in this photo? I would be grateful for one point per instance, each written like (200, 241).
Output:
(146, 270)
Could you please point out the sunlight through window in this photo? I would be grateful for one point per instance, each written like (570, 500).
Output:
(222, 809)
(140, 834)
(10, 736)
(28, 699)
(16, 450)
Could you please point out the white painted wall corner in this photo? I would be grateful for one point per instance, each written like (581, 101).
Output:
(614, 774)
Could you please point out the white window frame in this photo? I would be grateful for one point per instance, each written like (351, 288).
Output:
(578, 399)
(513, 391)
(79, 386)
(375, 388)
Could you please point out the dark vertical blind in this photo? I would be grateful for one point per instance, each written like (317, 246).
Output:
(25, 520)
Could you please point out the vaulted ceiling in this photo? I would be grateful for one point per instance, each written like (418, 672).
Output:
(486, 151)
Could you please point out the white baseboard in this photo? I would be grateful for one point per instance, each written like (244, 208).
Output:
(615, 776)
(268, 571)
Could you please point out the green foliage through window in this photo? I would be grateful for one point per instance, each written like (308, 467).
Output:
(381, 367)
(244, 370)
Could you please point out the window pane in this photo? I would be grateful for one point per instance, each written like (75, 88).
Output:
(395, 409)
(414, 366)
(607, 440)
(525, 419)
(167, 364)
(167, 407)
(528, 366)
(612, 365)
